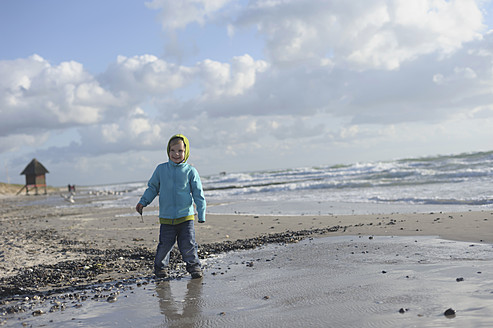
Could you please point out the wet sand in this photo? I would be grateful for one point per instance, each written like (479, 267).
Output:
(116, 228)
(34, 234)
(345, 281)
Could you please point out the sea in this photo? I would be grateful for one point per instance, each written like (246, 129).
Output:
(459, 182)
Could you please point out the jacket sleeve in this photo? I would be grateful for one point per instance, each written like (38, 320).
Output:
(198, 194)
(152, 188)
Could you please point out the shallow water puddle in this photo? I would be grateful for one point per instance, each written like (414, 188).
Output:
(325, 282)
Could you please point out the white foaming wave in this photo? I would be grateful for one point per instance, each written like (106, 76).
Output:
(447, 179)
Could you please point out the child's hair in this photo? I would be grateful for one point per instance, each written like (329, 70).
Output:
(175, 140)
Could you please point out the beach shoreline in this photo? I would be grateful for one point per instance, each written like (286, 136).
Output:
(33, 234)
(52, 249)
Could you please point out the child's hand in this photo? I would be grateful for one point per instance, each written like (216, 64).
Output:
(139, 208)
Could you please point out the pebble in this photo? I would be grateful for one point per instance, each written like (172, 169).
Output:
(38, 312)
(111, 299)
(449, 312)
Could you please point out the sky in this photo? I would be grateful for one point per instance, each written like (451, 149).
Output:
(94, 89)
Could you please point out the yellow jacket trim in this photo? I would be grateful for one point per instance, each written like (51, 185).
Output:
(176, 221)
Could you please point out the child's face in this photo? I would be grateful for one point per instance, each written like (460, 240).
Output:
(177, 151)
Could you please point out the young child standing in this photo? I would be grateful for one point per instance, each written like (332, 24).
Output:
(177, 183)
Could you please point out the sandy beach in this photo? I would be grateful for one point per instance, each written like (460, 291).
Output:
(33, 234)
(91, 245)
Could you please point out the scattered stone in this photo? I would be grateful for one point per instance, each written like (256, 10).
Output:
(459, 279)
(449, 313)
(111, 299)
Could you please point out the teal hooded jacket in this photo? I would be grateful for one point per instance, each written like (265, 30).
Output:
(178, 187)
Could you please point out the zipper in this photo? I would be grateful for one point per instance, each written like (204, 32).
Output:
(174, 193)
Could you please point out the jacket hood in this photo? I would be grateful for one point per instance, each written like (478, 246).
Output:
(185, 141)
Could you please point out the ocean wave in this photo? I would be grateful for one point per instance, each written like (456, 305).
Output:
(463, 179)
(441, 169)
(435, 201)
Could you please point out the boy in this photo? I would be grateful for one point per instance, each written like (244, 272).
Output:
(177, 183)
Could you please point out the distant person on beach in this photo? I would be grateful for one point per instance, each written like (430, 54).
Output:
(177, 183)
(71, 188)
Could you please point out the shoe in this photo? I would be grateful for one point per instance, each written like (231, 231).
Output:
(161, 273)
(196, 274)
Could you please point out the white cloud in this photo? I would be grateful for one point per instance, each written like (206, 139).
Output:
(223, 79)
(178, 14)
(36, 96)
(380, 34)
(133, 132)
(458, 74)
(110, 133)
(145, 75)
(124, 134)
(16, 142)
